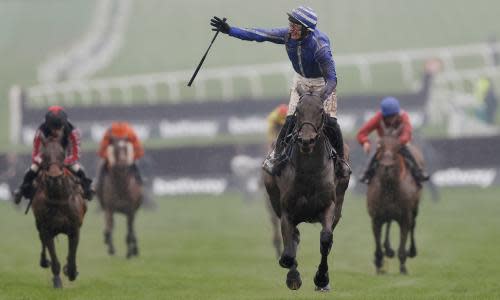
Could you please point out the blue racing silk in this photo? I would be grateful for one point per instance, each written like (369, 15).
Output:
(311, 56)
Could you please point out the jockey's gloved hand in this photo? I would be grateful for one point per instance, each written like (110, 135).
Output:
(219, 25)
(327, 90)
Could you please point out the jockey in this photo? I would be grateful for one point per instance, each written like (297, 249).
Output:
(275, 121)
(390, 116)
(310, 53)
(125, 131)
(56, 122)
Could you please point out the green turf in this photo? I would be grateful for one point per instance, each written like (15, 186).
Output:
(219, 248)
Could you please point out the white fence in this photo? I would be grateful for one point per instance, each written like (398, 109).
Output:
(102, 91)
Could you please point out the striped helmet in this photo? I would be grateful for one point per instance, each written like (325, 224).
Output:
(305, 16)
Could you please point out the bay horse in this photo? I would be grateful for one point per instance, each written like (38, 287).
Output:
(393, 195)
(121, 192)
(59, 207)
(307, 190)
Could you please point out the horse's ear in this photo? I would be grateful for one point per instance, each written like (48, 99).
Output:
(300, 90)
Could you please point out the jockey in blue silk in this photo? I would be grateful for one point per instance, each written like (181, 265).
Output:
(310, 53)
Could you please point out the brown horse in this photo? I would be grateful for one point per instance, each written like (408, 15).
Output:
(59, 207)
(307, 190)
(393, 195)
(120, 191)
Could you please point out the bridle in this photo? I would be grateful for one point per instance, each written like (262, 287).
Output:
(318, 129)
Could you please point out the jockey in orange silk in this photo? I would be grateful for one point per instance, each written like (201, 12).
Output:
(120, 130)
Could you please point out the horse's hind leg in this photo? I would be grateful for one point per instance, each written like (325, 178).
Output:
(108, 231)
(70, 267)
(55, 265)
(132, 249)
(389, 252)
(291, 239)
(379, 254)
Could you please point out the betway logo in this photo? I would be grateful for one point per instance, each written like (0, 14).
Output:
(188, 128)
(184, 186)
(459, 177)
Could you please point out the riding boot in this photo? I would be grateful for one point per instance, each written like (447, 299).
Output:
(98, 182)
(334, 135)
(137, 174)
(370, 170)
(88, 192)
(418, 174)
(26, 189)
(275, 161)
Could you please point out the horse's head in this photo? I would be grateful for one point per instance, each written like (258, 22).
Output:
(310, 119)
(53, 156)
(120, 153)
(387, 153)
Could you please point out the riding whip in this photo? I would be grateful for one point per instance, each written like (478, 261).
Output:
(204, 56)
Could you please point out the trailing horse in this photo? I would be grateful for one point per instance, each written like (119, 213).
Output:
(120, 190)
(59, 207)
(307, 189)
(393, 195)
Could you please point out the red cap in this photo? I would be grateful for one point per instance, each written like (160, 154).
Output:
(282, 109)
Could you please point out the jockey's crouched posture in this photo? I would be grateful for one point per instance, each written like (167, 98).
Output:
(119, 130)
(390, 116)
(56, 122)
(311, 56)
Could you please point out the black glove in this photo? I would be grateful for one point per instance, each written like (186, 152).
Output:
(219, 25)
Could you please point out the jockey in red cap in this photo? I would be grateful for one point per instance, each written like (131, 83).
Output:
(56, 122)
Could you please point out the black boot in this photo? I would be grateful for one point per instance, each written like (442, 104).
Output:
(88, 192)
(334, 135)
(370, 170)
(26, 189)
(276, 160)
(418, 174)
(137, 174)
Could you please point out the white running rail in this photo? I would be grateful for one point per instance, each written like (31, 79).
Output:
(99, 91)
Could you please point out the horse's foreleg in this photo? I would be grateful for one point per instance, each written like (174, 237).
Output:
(108, 231)
(291, 239)
(131, 239)
(321, 278)
(412, 251)
(70, 267)
(379, 255)
(404, 228)
(389, 252)
(44, 262)
(55, 265)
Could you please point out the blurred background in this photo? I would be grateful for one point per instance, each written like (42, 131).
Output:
(106, 60)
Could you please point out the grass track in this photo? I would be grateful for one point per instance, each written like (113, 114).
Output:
(219, 248)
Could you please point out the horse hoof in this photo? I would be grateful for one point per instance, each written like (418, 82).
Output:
(380, 271)
(70, 274)
(44, 263)
(293, 280)
(402, 270)
(412, 253)
(321, 281)
(287, 261)
(324, 289)
(389, 252)
(111, 251)
(56, 281)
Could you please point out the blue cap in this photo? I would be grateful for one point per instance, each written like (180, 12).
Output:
(306, 16)
(389, 106)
